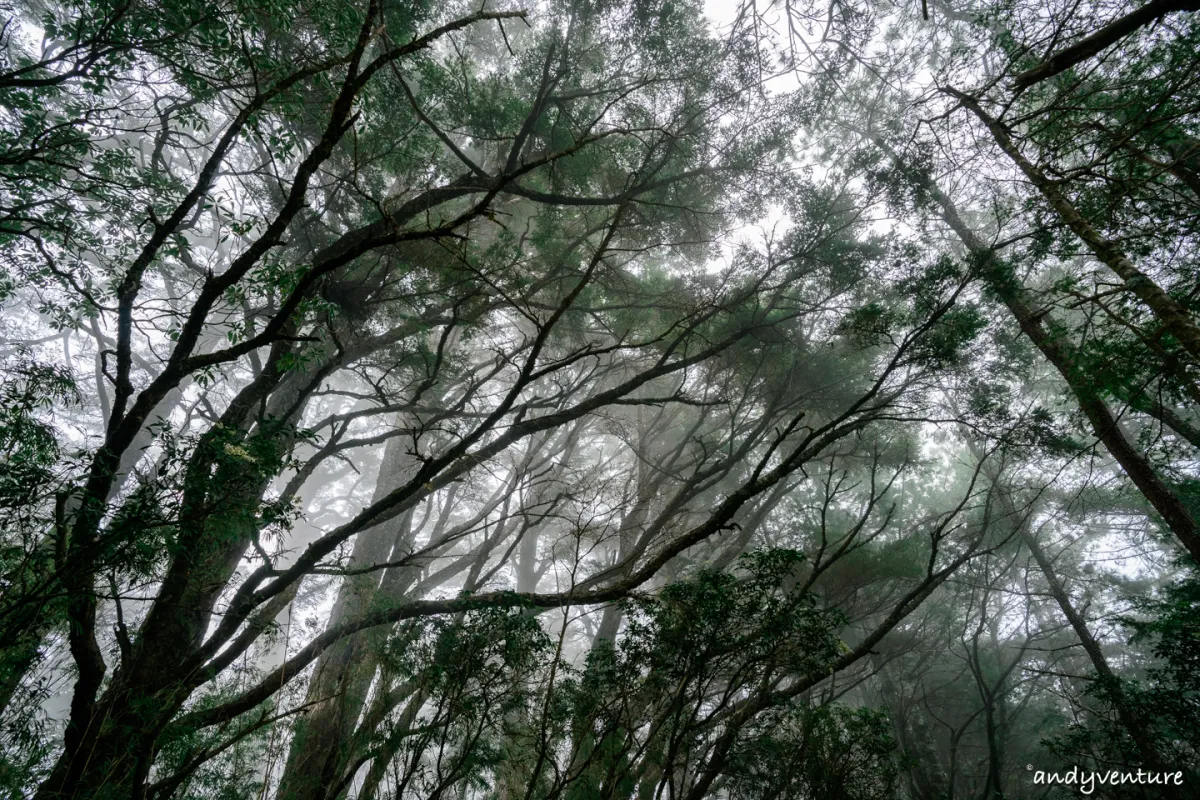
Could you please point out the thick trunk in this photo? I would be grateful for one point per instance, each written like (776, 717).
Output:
(113, 739)
(116, 741)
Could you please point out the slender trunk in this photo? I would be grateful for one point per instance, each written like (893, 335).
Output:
(1183, 153)
(1102, 39)
(343, 673)
(1170, 313)
(1185, 160)
(1128, 716)
(18, 657)
(19, 653)
(1104, 424)
(926, 777)
(1151, 407)
(993, 787)
(387, 751)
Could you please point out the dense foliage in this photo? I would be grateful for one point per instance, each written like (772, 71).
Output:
(598, 399)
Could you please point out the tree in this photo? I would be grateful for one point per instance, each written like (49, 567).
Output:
(593, 399)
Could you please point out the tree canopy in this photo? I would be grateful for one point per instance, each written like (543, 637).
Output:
(595, 399)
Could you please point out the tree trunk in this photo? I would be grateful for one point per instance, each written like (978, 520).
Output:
(343, 673)
(113, 739)
(1060, 355)
(1129, 718)
(1168, 312)
(1102, 39)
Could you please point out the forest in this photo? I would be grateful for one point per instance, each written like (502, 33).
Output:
(599, 399)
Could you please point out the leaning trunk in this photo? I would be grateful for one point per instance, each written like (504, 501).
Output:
(1060, 355)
